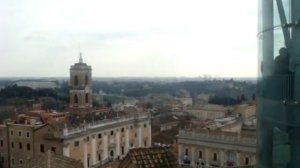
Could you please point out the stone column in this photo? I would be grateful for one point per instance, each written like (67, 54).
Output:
(222, 158)
(105, 146)
(94, 150)
(126, 140)
(150, 134)
(193, 156)
(207, 156)
(139, 136)
(118, 143)
(85, 164)
(179, 153)
(66, 149)
(238, 157)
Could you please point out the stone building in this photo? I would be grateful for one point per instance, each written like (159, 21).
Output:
(92, 142)
(208, 111)
(198, 148)
(80, 87)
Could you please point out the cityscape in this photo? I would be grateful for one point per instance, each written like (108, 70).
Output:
(144, 89)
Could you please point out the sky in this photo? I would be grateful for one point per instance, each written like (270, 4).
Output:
(129, 38)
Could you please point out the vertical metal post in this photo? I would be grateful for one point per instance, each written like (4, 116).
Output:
(268, 36)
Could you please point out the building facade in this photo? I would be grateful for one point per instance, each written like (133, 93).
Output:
(200, 148)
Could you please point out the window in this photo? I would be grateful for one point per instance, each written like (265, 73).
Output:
(215, 157)
(135, 135)
(75, 80)
(53, 149)
(20, 133)
(187, 152)
(99, 136)
(2, 159)
(111, 132)
(246, 161)
(145, 143)
(145, 125)
(86, 98)
(76, 143)
(112, 153)
(20, 145)
(200, 154)
(27, 135)
(12, 145)
(86, 79)
(42, 148)
(11, 133)
(28, 146)
(131, 127)
(21, 161)
(1, 143)
(122, 129)
(122, 150)
(75, 98)
(99, 156)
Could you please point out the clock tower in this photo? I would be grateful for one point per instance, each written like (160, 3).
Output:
(80, 87)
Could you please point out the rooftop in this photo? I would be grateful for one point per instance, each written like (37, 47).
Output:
(155, 157)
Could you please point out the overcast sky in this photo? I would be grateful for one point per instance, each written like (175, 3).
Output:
(150, 38)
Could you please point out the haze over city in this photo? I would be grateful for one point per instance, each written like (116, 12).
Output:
(129, 38)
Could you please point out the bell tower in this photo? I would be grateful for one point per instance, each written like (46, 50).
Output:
(80, 87)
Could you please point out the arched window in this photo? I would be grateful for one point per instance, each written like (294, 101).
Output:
(99, 156)
(215, 157)
(86, 79)
(200, 154)
(187, 152)
(246, 161)
(86, 98)
(76, 80)
(75, 98)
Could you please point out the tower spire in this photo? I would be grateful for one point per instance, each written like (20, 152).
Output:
(80, 55)
(80, 58)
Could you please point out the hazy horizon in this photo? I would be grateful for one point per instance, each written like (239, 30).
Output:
(129, 38)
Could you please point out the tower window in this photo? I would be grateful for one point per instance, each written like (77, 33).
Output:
(42, 149)
(28, 146)
(200, 154)
(53, 149)
(99, 156)
(75, 80)
(86, 79)
(122, 150)
(75, 98)
(246, 161)
(215, 157)
(86, 98)
(20, 145)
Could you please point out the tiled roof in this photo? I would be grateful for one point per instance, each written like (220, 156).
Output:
(155, 157)
(51, 160)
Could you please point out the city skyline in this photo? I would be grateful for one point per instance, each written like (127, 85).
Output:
(129, 39)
